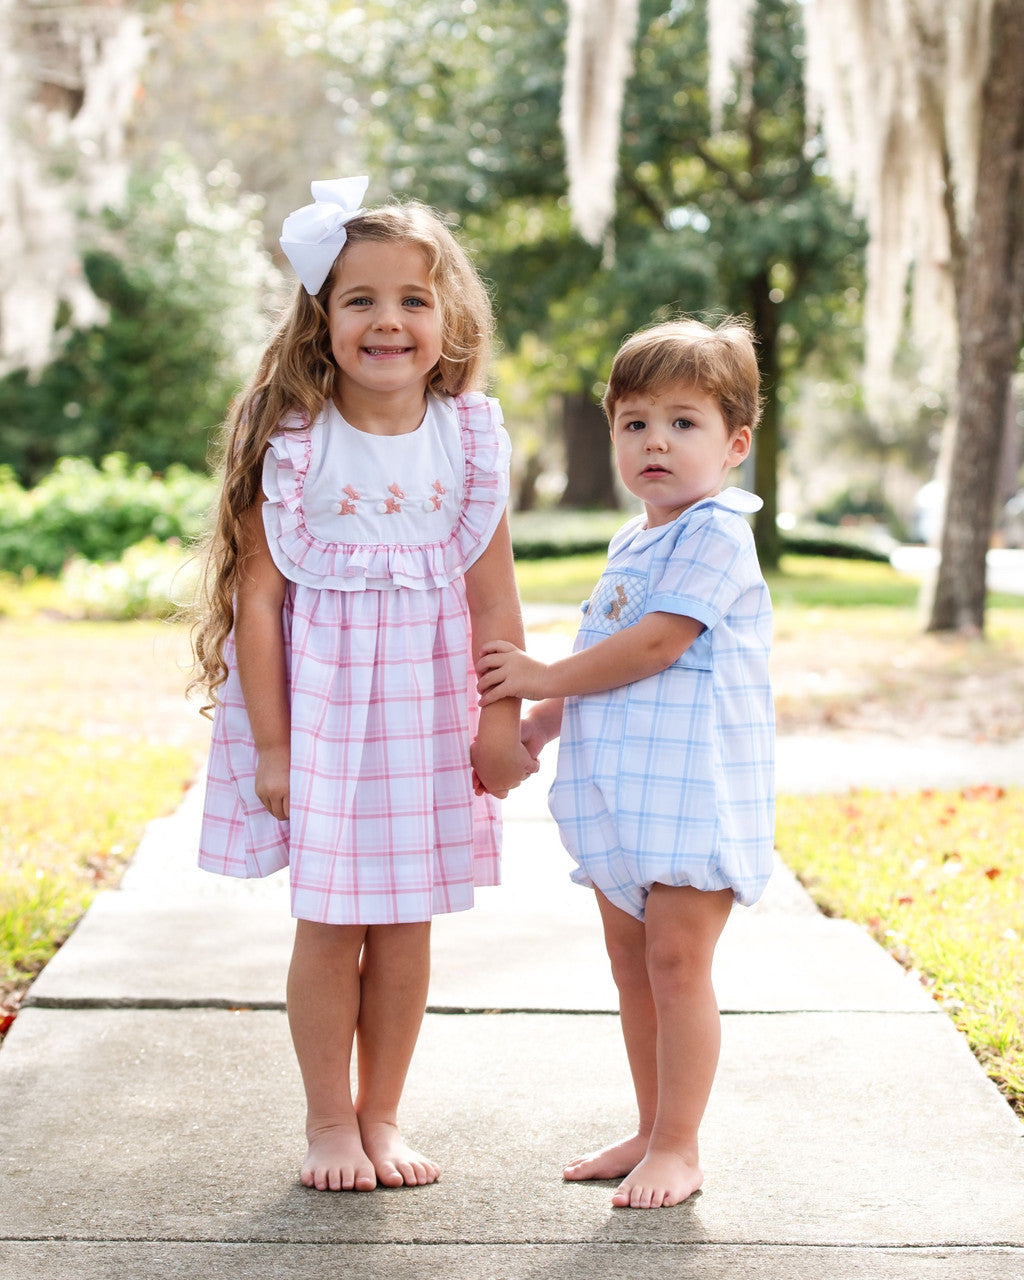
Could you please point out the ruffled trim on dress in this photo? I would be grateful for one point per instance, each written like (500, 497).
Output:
(345, 566)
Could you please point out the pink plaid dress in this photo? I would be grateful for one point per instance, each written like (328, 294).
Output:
(374, 534)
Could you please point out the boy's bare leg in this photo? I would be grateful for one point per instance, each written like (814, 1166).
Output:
(323, 1006)
(625, 940)
(683, 926)
(394, 979)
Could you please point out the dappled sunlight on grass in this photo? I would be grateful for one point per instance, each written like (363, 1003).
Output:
(938, 879)
(97, 741)
(875, 669)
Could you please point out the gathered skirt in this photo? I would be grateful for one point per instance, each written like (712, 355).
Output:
(384, 827)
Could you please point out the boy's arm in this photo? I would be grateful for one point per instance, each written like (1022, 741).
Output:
(259, 644)
(499, 757)
(541, 724)
(635, 652)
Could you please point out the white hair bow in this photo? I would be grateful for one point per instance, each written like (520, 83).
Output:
(313, 236)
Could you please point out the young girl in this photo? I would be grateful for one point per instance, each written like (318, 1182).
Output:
(361, 537)
(664, 787)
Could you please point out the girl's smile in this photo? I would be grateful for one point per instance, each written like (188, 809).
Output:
(385, 324)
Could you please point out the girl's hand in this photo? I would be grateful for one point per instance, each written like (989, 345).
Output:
(496, 773)
(272, 780)
(507, 672)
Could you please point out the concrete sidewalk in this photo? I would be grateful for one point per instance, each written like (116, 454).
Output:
(151, 1111)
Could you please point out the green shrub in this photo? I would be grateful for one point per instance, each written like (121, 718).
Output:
(542, 535)
(185, 281)
(151, 580)
(843, 543)
(80, 511)
(862, 504)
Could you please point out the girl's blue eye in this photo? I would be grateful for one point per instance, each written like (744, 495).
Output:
(416, 302)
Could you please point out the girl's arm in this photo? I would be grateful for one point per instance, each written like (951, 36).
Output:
(259, 644)
(635, 652)
(499, 757)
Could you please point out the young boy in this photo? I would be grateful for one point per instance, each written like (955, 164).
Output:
(664, 793)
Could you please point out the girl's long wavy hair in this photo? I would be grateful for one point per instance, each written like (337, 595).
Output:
(294, 380)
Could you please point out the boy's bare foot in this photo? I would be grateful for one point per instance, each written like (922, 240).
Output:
(662, 1178)
(610, 1162)
(336, 1160)
(394, 1160)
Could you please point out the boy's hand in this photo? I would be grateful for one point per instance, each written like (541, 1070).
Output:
(507, 672)
(533, 739)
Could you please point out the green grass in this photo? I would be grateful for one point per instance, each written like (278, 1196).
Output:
(97, 741)
(938, 879)
(805, 581)
(568, 580)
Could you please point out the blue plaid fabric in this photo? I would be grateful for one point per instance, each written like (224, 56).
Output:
(670, 780)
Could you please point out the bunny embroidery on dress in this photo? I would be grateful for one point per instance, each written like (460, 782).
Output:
(392, 506)
(389, 504)
(346, 506)
(616, 606)
(617, 602)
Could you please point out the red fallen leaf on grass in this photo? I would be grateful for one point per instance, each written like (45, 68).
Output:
(6, 1022)
(992, 872)
(983, 791)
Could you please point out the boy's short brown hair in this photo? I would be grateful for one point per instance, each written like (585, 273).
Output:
(720, 361)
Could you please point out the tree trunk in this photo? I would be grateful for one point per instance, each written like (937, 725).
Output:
(588, 454)
(765, 316)
(990, 317)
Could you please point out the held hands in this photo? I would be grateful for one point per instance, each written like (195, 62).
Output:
(272, 780)
(507, 672)
(534, 739)
(496, 773)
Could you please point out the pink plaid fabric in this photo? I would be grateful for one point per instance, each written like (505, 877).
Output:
(384, 825)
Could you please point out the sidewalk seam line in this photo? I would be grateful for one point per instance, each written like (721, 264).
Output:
(84, 1003)
(567, 1242)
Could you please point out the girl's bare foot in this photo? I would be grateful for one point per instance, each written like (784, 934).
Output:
(610, 1162)
(662, 1178)
(394, 1160)
(336, 1160)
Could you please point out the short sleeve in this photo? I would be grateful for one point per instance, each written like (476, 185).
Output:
(704, 567)
(488, 453)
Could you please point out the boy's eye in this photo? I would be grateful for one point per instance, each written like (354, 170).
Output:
(637, 424)
(683, 423)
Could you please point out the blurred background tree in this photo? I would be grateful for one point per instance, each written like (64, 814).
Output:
(182, 274)
(467, 115)
(923, 104)
(459, 103)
